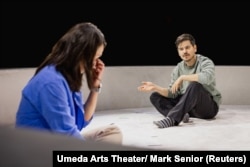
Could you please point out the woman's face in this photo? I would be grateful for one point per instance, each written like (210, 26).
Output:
(97, 56)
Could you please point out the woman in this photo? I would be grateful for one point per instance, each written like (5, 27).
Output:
(52, 99)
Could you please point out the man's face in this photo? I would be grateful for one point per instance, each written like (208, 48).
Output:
(186, 50)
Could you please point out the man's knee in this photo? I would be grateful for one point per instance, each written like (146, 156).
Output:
(154, 96)
(195, 86)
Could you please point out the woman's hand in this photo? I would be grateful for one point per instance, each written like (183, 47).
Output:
(98, 70)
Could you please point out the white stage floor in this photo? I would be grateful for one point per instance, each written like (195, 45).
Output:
(230, 130)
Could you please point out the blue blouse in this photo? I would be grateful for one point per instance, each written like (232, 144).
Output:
(47, 103)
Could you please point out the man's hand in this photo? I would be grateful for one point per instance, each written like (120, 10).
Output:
(146, 87)
(177, 84)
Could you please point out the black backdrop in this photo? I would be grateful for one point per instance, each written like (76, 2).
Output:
(138, 33)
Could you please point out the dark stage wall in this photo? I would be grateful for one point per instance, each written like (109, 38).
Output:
(138, 33)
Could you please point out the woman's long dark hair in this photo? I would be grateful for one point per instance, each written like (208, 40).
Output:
(78, 45)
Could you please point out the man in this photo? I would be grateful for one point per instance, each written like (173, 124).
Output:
(192, 91)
